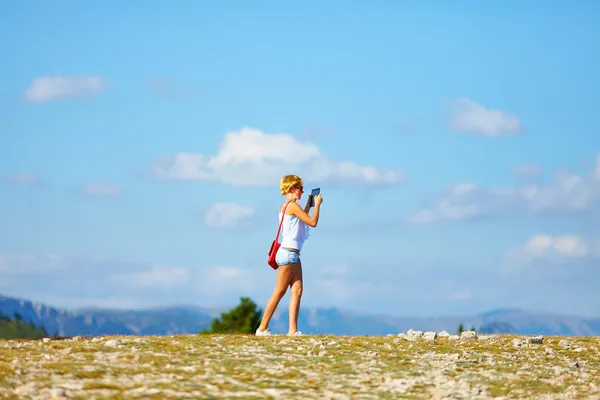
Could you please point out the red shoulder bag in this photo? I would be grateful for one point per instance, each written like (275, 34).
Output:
(276, 245)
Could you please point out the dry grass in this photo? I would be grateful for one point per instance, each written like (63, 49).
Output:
(323, 367)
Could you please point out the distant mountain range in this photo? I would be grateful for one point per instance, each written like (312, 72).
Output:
(182, 320)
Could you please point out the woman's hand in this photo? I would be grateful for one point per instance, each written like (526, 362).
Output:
(318, 200)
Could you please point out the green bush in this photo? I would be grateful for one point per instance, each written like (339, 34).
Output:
(18, 329)
(245, 318)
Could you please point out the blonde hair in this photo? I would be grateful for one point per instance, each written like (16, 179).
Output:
(288, 183)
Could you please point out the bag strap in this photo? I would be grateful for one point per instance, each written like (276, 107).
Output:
(281, 222)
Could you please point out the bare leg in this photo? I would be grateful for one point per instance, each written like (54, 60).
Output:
(296, 294)
(285, 273)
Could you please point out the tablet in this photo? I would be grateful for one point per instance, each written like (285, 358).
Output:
(313, 193)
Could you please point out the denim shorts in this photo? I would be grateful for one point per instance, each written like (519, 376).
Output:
(286, 256)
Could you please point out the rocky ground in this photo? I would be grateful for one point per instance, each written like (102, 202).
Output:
(410, 365)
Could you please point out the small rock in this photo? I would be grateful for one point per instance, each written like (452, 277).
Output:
(517, 342)
(113, 343)
(536, 339)
(140, 341)
(57, 392)
(46, 340)
(412, 335)
(402, 335)
(564, 343)
(29, 389)
(468, 335)
(443, 334)
(323, 353)
(333, 343)
(453, 337)
(557, 370)
(273, 392)
(97, 339)
(430, 336)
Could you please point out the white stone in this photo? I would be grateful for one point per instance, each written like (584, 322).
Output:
(45, 340)
(430, 336)
(413, 335)
(443, 334)
(26, 390)
(273, 392)
(536, 339)
(468, 335)
(113, 343)
(57, 392)
(564, 343)
(453, 337)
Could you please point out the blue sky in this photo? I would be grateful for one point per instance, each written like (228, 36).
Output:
(456, 148)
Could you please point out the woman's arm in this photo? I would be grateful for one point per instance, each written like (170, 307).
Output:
(303, 216)
(307, 206)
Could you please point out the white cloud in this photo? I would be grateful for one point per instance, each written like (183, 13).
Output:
(226, 272)
(159, 85)
(554, 256)
(252, 157)
(470, 117)
(465, 294)
(318, 132)
(161, 276)
(334, 280)
(85, 280)
(23, 264)
(527, 170)
(228, 215)
(97, 189)
(166, 87)
(48, 88)
(25, 178)
(568, 193)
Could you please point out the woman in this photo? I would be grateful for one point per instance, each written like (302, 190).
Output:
(294, 229)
